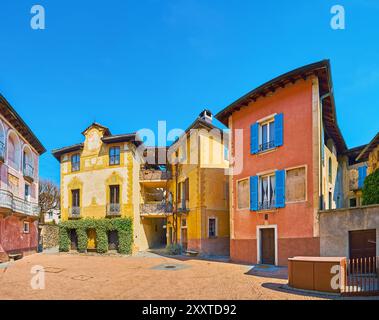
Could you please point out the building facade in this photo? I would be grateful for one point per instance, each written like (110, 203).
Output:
(285, 145)
(19, 161)
(199, 189)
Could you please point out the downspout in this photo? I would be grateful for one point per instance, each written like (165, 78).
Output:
(322, 151)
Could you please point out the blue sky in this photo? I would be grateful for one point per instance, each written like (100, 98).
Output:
(128, 64)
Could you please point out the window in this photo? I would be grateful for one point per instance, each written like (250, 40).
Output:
(26, 227)
(226, 153)
(266, 192)
(330, 168)
(114, 155)
(212, 228)
(330, 200)
(184, 223)
(75, 162)
(362, 173)
(296, 185)
(27, 191)
(266, 136)
(243, 194)
(114, 192)
(75, 201)
(50, 215)
(353, 202)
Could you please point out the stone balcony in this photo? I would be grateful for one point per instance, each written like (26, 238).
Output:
(154, 175)
(155, 209)
(12, 204)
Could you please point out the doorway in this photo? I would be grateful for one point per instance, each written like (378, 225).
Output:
(113, 240)
(184, 238)
(74, 239)
(267, 245)
(91, 244)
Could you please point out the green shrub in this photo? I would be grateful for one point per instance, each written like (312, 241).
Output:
(174, 249)
(123, 226)
(370, 191)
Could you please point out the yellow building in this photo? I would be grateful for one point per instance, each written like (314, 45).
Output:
(100, 179)
(199, 189)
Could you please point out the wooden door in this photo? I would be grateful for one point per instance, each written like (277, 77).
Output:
(74, 239)
(362, 244)
(113, 240)
(91, 243)
(267, 246)
(184, 239)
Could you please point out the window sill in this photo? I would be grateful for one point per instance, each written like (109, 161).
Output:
(266, 151)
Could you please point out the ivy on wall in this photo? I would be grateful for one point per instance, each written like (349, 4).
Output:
(370, 191)
(123, 226)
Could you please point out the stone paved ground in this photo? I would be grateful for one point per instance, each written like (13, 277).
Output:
(144, 276)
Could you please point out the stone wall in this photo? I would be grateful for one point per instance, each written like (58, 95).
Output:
(50, 235)
(336, 224)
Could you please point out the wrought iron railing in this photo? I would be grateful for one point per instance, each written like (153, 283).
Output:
(113, 209)
(74, 212)
(9, 201)
(267, 145)
(151, 174)
(266, 205)
(183, 205)
(156, 208)
(28, 170)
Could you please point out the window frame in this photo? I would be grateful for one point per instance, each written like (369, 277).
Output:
(260, 181)
(114, 156)
(306, 183)
(73, 168)
(118, 195)
(248, 194)
(72, 198)
(26, 223)
(215, 227)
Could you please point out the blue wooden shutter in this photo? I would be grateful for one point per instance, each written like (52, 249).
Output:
(254, 138)
(254, 193)
(362, 173)
(279, 130)
(280, 189)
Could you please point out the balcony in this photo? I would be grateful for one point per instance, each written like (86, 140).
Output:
(266, 205)
(155, 209)
(266, 146)
(2, 152)
(10, 203)
(74, 213)
(113, 210)
(28, 172)
(154, 175)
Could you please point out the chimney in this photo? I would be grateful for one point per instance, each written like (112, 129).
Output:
(206, 115)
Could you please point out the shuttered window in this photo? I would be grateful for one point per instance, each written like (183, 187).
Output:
(280, 192)
(362, 173)
(254, 193)
(266, 135)
(243, 194)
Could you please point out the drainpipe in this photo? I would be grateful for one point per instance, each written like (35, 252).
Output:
(322, 144)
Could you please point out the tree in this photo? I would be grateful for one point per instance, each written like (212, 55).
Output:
(370, 191)
(49, 197)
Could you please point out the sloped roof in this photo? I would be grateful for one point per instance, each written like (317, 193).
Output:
(320, 69)
(16, 121)
(369, 148)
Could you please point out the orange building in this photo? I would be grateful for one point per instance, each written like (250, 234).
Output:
(282, 165)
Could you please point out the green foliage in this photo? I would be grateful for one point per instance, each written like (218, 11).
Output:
(174, 249)
(64, 239)
(124, 227)
(370, 191)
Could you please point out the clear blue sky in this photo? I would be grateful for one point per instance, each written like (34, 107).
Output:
(128, 64)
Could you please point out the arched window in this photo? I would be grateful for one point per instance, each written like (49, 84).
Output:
(27, 162)
(13, 151)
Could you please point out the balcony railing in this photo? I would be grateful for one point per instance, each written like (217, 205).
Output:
(267, 145)
(18, 205)
(2, 151)
(152, 174)
(183, 205)
(74, 212)
(113, 209)
(156, 208)
(28, 171)
(266, 205)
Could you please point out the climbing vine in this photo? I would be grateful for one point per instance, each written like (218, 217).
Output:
(123, 226)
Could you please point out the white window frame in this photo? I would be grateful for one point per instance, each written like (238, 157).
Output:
(248, 194)
(267, 122)
(271, 174)
(216, 227)
(259, 241)
(26, 223)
